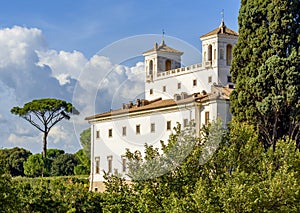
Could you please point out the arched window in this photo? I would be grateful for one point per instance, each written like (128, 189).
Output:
(150, 67)
(209, 53)
(228, 54)
(168, 64)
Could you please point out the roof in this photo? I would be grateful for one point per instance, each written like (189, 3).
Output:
(163, 48)
(222, 29)
(217, 92)
(155, 104)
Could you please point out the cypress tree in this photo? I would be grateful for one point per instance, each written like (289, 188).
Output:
(266, 68)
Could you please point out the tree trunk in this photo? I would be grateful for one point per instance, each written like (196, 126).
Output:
(44, 152)
(45, 144)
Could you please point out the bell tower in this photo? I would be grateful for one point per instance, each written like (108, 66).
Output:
(159, 60)
(217, 47)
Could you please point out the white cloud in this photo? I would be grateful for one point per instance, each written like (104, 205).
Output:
(16, 45)
(28, 70)
(64, 65)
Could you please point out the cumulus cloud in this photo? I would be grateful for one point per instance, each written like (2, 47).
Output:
(29, 70)
(64, 65)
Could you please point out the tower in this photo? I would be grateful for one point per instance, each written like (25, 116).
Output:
(217, 47)
(160, 58)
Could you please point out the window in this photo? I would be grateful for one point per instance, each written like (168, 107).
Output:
(96, 189)
(124, 130)
(195, 82)
(179, 86)
(185, 122)
(228, 54)
(97, 165)
(229, 79)
(206, 118)
(110, 133)
(209, 79)
(168, 64)
(123, 163)
(152, 127)
(164, 89)
(168, 125)
(151, 91)
(98, 134)
(109, 160)
(150, 67)
(138, 129)
(209, 53)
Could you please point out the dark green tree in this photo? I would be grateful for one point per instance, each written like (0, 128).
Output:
(54, 153)
(16, 161)
(44, 114)
(64, 165)
(11, 160)
(265, 68)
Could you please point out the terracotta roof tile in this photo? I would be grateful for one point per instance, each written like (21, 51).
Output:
(223, 92)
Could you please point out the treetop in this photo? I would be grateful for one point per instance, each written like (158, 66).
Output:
(44, 105)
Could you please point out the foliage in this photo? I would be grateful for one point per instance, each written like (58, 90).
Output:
(161, 181)
(11, 160)
(64, 165)
(240, 176)
(119, 196)
(34, 166)
(85, 140)
(7, 196)
(55, 195)
(54, 153)
(83, 168)
(243, 177)
(44, 114)
(265, 68)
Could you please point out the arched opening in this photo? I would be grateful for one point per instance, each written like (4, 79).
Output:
(151, 67)
(209, 53)
(168, 64)
(204, 56)
(228, 54)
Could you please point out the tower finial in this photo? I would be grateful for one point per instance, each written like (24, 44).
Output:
(163, 37)
(222, 25)
(222, 14)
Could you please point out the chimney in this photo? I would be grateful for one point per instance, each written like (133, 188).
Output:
(138, 102)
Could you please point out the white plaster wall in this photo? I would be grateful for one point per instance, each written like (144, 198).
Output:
(186, 80)
(116, 145)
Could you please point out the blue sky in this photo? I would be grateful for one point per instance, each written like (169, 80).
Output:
(73, 50)
(90, 25)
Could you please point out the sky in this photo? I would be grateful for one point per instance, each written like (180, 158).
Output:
(89, 52)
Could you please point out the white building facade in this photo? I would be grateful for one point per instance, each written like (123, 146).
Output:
(198, 93)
